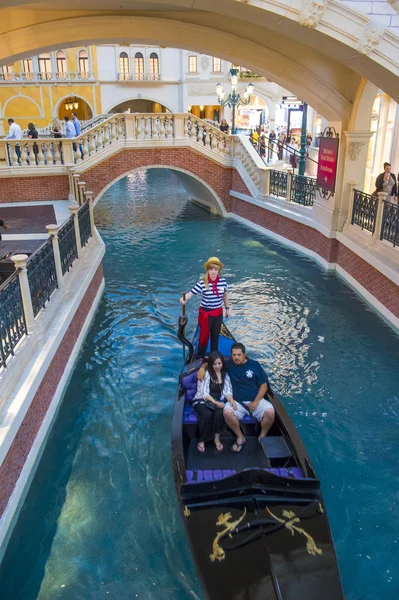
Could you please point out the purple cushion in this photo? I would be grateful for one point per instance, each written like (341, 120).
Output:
(189, 383)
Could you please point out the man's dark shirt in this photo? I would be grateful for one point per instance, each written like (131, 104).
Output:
(246, 379)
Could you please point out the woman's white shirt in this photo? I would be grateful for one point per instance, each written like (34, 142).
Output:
(203, 388)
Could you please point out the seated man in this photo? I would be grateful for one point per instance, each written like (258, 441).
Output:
(250, 384)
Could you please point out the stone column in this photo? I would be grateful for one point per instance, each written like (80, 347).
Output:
(76, 178)
(19, 261)
(71, 173)
(81, 195)
(89, 196)
(67, 151)
(379, 157)
(53, 231)
(357, 143)
(130, 126)
(74, 212)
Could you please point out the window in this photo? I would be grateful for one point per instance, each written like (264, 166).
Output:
(61, 65)
(123, 66)
(6, 74)
(154, 66)
(28, 69)
(139, 66)
(83, 60)
(192, 64)
(217, 65)
(44, 66)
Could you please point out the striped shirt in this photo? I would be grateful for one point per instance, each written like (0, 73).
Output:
(209, 299)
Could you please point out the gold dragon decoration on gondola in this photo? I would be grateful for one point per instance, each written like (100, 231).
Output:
(288, 519)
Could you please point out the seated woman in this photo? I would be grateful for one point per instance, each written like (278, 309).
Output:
(209, 401)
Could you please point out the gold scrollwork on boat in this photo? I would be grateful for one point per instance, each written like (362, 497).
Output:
(186, 511)
(290, 520)
(224, 521)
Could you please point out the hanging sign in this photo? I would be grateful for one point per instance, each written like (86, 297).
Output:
(328, 162)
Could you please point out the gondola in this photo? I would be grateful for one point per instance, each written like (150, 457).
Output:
(255, 520)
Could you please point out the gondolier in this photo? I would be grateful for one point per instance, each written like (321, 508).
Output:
(213, 289)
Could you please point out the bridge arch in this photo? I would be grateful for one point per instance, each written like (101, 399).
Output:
(328, 81)
(198, 189)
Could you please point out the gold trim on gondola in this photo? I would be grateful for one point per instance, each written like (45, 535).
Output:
(225, 332)
(186, 511)
(223, 519)
(289, 521)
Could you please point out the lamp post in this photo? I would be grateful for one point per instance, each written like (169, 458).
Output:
(302, 151)
(234, 98)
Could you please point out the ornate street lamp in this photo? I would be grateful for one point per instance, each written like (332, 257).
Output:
(234, 99)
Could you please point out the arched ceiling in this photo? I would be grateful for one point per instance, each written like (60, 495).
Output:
(320, 65)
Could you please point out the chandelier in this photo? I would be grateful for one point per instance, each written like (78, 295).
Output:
(71, 103)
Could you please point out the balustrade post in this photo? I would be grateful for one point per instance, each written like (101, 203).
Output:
(266, 182)
(74, 212)
(378, 218)
(89, 198)
(352, 185)
(81, 187)
(130, 127)
(71, 195)
(76, 178)
(180, 126)
(19, 261)
(53, 232)
(289, 182)
(67, 151)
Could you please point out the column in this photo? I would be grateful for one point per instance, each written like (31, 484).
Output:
(378, 220)
(74, 212)
(89, 197)
(53, 231)
(290, 171)
(76, 178)
(71, 173)
(357, 143)
(379, 157)
(19, 261)
(81, 188)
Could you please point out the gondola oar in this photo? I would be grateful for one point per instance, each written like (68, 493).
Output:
(181, 334)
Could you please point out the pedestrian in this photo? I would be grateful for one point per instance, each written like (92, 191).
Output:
(4, 226)
(78, 130)
(213, 290)
(386, 182)
(309, 140)
(224, 126)
(14, 133)
(33, 135)
(262, 146)
(69, 129)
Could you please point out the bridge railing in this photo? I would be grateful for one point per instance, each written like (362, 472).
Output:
(376, 216)
(37, 277)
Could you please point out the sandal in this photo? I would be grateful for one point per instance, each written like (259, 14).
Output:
(219, 447)
(200, 448)
(239, 447)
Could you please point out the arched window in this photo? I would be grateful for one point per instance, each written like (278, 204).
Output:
(139, 66)
(217, 65)
(6, 73)
(83, 65)
(44, 66)
(154, 66)
(61, 65)
(28, 69)
(123, 66)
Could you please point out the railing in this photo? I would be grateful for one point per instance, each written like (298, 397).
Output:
(206, 135)
(42, 276)
(390, 223)
(12, 318)
(84, 224)
(67, 244)
(139, 76)
(364, 211)
(27, 153)
(46, 76)
(278, 183)
(303, 190)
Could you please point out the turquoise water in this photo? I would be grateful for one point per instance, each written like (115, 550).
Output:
(100, 520)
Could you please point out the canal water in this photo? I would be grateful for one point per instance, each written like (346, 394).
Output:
(101, 520)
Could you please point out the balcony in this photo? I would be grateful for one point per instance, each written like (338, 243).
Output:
(46, 76)
(139, 76)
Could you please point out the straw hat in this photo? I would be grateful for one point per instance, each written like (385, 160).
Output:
(213, 260)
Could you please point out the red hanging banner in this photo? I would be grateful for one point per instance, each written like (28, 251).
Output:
(328, 163)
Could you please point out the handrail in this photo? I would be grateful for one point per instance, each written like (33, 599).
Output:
(283, 145)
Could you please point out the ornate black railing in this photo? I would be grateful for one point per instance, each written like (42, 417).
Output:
(42, 276)
(364, 211)
(84, 224)
(278, 183)
(303, 190)
(67, 244)
(12, 318)
(390, 223)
